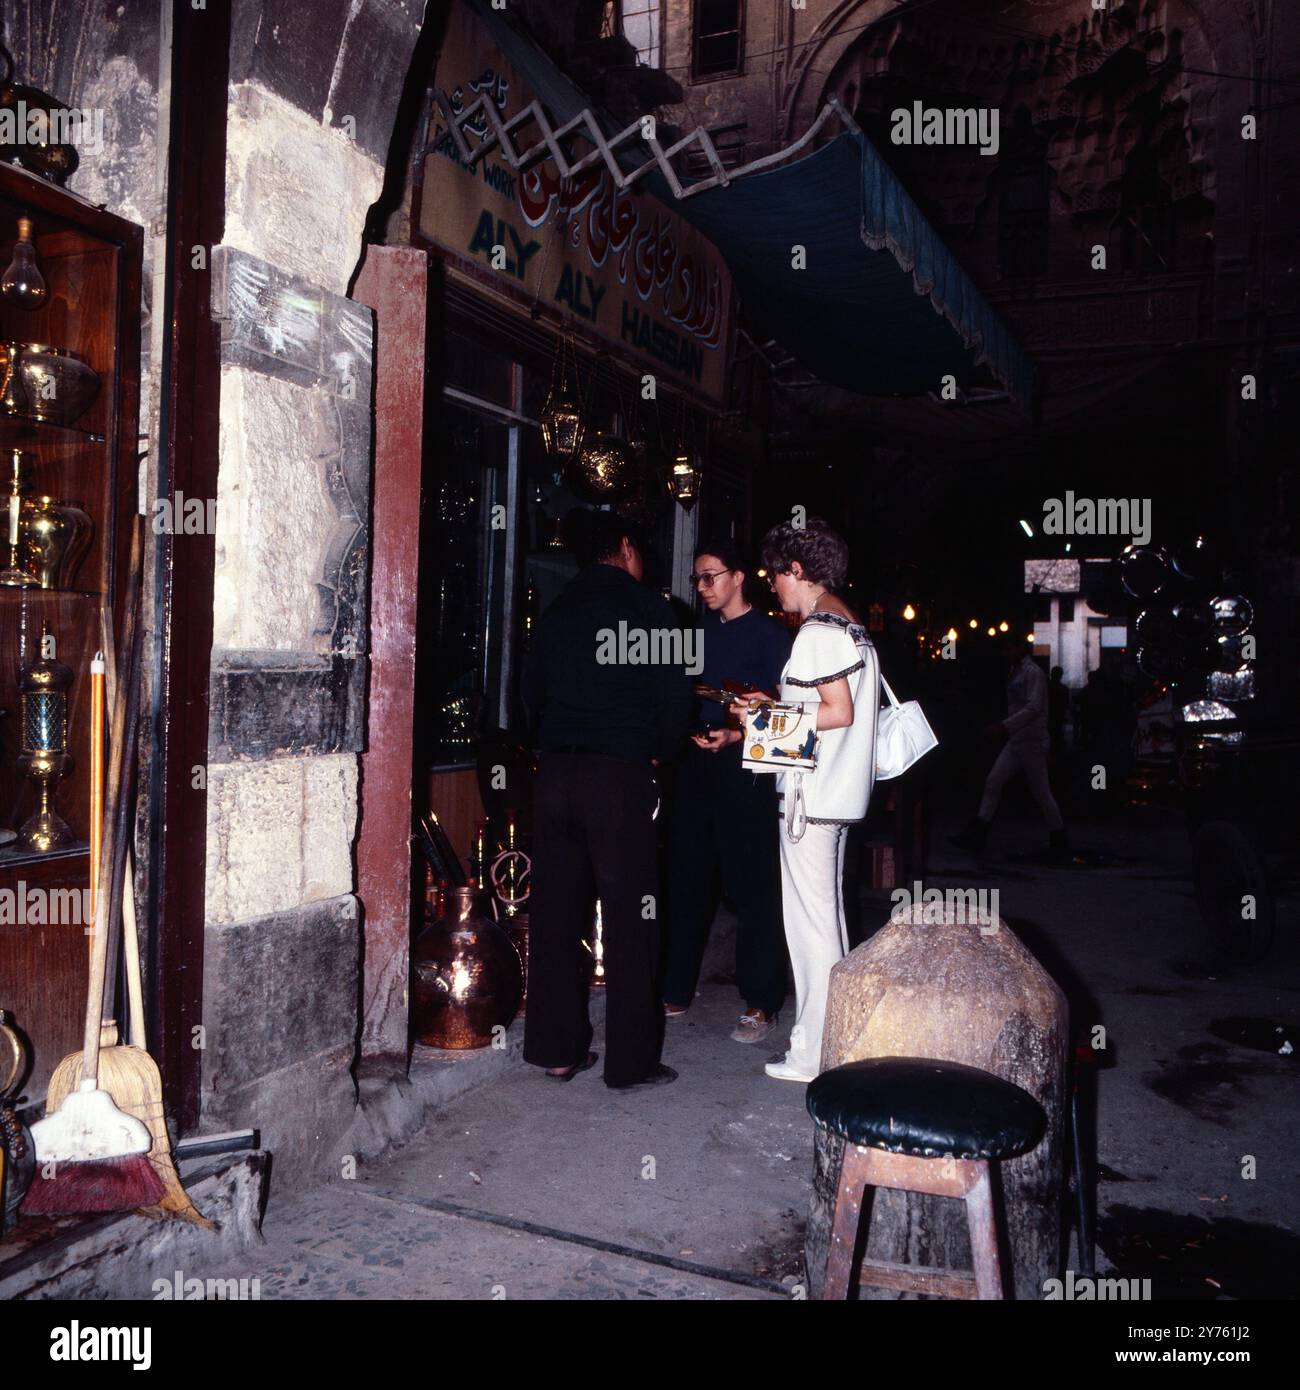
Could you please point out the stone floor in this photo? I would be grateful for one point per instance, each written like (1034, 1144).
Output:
(527, 1189)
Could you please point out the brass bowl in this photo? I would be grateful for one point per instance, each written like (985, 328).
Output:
(47, 382)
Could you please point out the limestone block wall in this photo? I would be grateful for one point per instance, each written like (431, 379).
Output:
(313, 94)
(286, 716)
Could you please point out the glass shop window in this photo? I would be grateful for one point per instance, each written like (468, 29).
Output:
(717, 39)
(640, 22)
(467, 589)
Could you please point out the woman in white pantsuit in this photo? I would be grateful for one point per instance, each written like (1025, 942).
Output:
(833, 665)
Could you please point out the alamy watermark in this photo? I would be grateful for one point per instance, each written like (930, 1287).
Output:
(83, 127)
(41, 907)
(1098, 516)
(230, 1290)
(935, 125)
(1086, 1290)
(937, 906)
(654, 646)
(74, 1342)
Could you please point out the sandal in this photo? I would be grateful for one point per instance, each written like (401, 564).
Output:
(568, 1073)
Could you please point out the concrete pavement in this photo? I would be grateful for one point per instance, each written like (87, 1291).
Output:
(523, 1188)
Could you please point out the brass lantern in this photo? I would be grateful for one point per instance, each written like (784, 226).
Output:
(563, 425)
(685, 475)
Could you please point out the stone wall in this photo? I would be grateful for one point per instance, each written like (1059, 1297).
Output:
(313, 95)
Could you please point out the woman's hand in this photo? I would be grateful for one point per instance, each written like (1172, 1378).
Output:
(717, 740)
(743, 701)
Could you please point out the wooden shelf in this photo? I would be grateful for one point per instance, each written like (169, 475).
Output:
(10, 858)
(31, 428)
(91, 261)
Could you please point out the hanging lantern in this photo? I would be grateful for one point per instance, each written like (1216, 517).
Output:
(563, 425)
(685, 475)
(604, 471)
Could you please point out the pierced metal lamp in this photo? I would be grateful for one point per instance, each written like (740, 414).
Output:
(685, 475)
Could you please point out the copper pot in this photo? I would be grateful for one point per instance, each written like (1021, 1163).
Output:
(466, 978)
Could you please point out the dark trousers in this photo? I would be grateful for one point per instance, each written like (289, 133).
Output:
(723, 834)
(594, 837)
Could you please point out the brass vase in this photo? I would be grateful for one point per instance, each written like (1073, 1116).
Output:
(465, 974)
(56, 536)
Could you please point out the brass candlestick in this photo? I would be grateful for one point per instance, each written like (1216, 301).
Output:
(14, 576)
(43, 687)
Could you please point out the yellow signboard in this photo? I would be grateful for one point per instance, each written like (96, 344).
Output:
(620, 263)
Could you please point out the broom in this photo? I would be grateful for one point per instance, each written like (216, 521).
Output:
(91, 1156)
(129, 1072)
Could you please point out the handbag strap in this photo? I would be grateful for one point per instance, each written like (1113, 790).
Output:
(893, 699)
(796, 809)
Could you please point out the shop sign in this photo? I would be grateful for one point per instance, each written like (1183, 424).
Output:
(620, 263)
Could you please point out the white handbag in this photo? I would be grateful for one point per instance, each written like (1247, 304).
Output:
(903, 736)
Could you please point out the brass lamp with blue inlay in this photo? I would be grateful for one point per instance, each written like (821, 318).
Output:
(43, 688)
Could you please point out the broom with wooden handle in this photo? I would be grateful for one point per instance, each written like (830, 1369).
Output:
(129, 1073)
(90, 1155)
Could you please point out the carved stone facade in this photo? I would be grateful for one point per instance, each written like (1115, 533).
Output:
(1120, 128)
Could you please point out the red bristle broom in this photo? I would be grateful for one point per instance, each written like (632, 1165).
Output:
(90, 1156)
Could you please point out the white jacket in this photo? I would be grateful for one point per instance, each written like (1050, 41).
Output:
(827, 647)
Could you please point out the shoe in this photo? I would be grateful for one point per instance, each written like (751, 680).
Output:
(783, 1071)
(661, 1076)
(570, 1072)
(674, 1010)
(973, 836)
(1058, 848)
(753, 1025)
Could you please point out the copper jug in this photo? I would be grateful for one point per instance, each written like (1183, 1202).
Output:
(465, 974)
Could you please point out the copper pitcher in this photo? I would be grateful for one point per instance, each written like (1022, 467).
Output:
(466, 979)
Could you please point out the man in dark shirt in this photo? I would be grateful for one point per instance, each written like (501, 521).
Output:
(607, 688)
(724, 824)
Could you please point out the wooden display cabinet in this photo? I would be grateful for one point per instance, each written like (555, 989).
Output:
(91, 262)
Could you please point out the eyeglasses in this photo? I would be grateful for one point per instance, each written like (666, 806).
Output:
(707, 577)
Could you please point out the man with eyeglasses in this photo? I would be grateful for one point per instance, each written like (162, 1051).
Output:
(723, 833)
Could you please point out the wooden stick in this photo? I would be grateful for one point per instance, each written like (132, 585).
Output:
(96, 775)
(131, 935)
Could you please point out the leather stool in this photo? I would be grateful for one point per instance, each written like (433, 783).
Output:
(920, 1125)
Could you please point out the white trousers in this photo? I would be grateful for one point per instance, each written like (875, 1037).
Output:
(812, 872)
(1031, 759)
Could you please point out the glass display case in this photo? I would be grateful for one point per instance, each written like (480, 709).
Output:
(69, 368)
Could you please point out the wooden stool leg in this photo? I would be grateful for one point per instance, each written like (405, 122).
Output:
(984, 1237)
(844, 1224)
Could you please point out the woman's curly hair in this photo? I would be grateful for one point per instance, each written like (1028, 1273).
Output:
(822, 553)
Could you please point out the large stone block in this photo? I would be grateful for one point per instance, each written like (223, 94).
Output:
(280, 1021)
(276, 520)
(959, 991)
(279, 835)
(297, 193)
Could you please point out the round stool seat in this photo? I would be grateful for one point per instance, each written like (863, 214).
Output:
(927, 1108)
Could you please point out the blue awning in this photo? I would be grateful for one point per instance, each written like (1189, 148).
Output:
(882, 306)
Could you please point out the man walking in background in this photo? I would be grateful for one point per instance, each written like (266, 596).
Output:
(602, 724)
(1025, 750)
